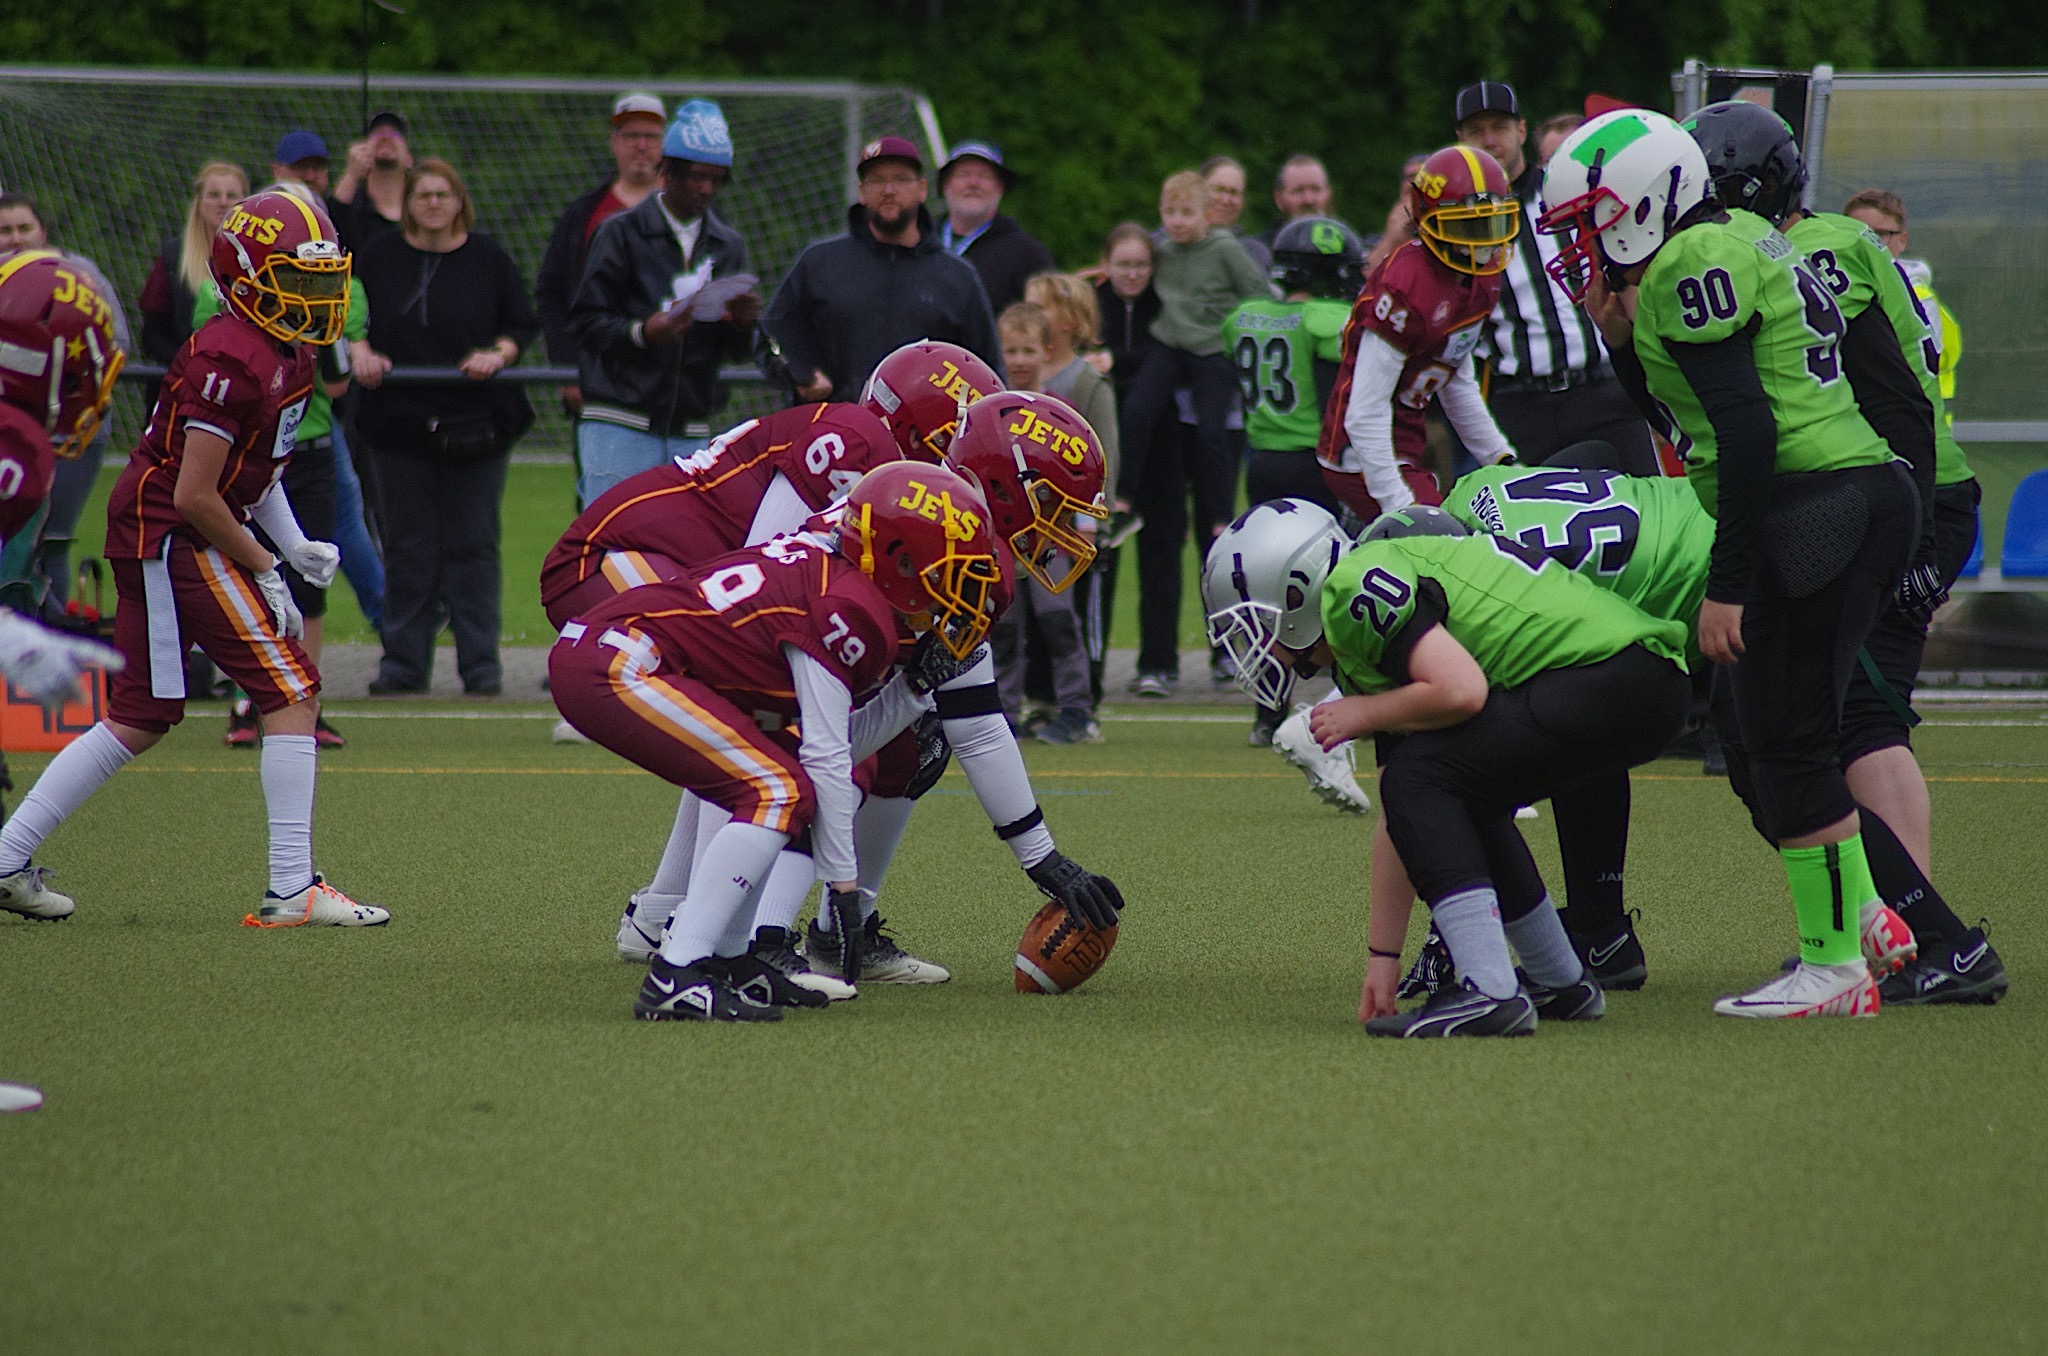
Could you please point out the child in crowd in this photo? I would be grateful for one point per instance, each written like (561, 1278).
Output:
(1074, 322)
(1026, 336)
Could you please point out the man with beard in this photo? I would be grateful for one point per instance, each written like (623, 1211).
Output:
(372, 189)
(852, 300)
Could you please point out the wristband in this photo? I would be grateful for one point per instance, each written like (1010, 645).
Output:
(1382, 955)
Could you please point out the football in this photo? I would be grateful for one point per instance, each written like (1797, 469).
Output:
(1058, 953)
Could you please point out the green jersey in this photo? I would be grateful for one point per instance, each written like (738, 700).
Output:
(1514, 609)
(1858, 269)
(1644, 538)
(1275, 345)
(1720, 279)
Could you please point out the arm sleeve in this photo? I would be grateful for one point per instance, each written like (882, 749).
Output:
(781, 510)
(893, 708)
(1628, 369)
(273, 513)
(988, 754)
(1369, 420)
(826, 709)
(1467, 411)
(1723, 376)
(1891, 400)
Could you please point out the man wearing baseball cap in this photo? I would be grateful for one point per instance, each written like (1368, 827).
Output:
(1550, 382)
(637, 123)
(973, 181)
(852, 300)
(301, 158)
(649, 370)
(371, 193)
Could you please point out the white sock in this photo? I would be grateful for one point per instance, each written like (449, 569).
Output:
(79, 769)
(878, 828)
(672, 876)
(1470, 924)
(789, 885)
(1539, 939)
(290, 763)
(727, 871)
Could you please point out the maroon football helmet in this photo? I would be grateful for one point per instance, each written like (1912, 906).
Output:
(922, 534)
(1039, 464)
(58, 358)
(919, 391)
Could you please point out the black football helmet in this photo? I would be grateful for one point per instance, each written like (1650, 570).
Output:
(1752, 157)
(1320, 256)
(1417, 520)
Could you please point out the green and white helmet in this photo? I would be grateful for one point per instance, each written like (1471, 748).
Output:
(1618, 187)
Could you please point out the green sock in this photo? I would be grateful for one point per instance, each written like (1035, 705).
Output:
(1830, 884)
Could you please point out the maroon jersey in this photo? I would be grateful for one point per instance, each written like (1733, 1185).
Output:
(229, 379)
(25, 468)
(700, 506)
(726, 624)
(1426, 311)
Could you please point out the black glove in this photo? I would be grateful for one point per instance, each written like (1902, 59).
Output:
(931, 665)
(844, 906)
(1090, 899)
(1921, 592)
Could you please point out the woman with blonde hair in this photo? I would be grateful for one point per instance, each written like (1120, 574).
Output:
(180, 272)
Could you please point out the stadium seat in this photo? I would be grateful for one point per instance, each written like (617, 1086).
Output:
(1975, 564)
(2026, 530)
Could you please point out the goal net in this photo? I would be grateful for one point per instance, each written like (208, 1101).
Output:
(109, 155)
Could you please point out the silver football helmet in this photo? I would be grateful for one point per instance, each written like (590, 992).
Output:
(1262, 587)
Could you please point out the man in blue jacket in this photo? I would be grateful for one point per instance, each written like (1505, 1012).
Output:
(649, 372)
(852, 300)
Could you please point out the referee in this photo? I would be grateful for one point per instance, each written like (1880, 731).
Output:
(1551, 382)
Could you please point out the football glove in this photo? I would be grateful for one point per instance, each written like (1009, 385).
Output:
(283, 610)
(1921, 592)
(1091, 899)
(44, 665)
(931, 665)
(844, 907)
(316, 561)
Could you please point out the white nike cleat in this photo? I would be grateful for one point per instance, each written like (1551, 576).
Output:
(565, 733)
(24, 893)
(320, 905)
(1809, 991)
(642, 924)
(1331, 775)
(1887, 942)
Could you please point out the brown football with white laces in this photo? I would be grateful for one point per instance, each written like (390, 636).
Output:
(1058, 952)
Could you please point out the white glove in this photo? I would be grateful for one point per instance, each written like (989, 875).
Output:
(43, 664)
(283, 610)
(316, 561)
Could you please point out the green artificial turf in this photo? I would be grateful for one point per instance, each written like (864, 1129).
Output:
(446, 1135)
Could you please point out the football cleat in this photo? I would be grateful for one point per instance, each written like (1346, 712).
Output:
(882, 961)
(775, 949)
(243, 731)
(565, 733)
(1461, 1010)
(1580, 1001)
(642, 924)
(320, 905)
(24, 893)
(1887, 942)
(1962, 970)
(1331, 775)
(1616, 958)
(1431, 970)
(760, 983)
(1809, 991)
(698, 992)
(326, 736)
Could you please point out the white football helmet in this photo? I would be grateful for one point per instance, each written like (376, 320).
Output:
(1618, 186)
(1262, 586)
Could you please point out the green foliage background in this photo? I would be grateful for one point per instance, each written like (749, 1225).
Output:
(1094, 103)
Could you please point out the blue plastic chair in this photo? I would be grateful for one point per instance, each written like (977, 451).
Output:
(1974, 566)
(2026, 530)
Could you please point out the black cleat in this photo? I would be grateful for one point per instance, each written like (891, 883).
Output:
(1962, 970)
(1579, 1001)
(1431, 971)
(1616, 957)
(1461, 1010)
(758, 977)
(695, 993)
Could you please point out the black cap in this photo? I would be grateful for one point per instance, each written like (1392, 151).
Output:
(388, 118)
(1487, 96)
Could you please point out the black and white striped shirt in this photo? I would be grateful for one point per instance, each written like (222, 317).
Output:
(1535, 329)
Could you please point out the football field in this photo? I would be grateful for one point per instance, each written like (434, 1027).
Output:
(447, 1135)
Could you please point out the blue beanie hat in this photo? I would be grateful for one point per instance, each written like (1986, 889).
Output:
(699, 133)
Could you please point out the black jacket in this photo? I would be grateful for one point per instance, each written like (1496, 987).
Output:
(1126, 332)
(561, 269)
(1006, 256)
(852, 300)
(630, 271)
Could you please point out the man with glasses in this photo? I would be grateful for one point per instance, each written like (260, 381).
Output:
(649, 370)
(852, 300)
